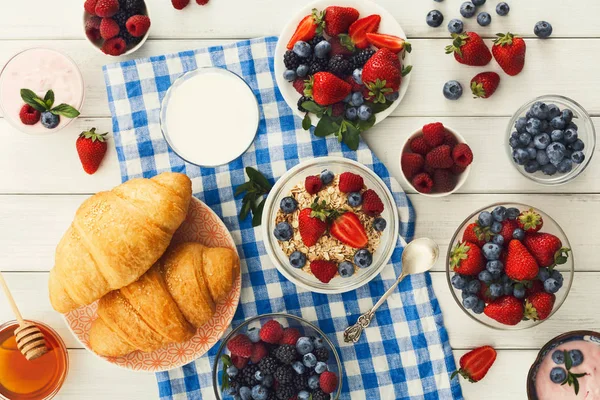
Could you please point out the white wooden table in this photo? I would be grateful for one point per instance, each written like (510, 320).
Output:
(42, 183)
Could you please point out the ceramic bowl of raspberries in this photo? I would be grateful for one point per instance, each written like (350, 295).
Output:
(551, 139)
(342, 66)
(330, 225)
(509, 266)
(116, 27)
(436, 160)
(277, 356)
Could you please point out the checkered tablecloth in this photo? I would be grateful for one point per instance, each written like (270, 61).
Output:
(405, 353)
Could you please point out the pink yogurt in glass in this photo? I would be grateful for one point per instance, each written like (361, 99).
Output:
(589, 385)
(39, 70)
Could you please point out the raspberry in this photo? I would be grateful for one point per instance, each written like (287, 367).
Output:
(443, 181)
(313, 184)
(434, 134)
(202, 2)
(258, 352)
(240, 345)
(29, 115)
(462, 155)
(419, 145)
(90, 6)
(271, 332)
(138, 25)
(423, 182)
(323, 270)
(114, 47)
(286, 353)
(180, 4)
(355, 86)
(268, 365)
(350, 182)
(299, 85)
(108, 28)
(239, 362)
(106, 8)
(92, 28)
(440, 157)
(328, 382)
(290, 336)
(412, 164)
(322, 354)
(457, 169)
(371, 204)
(450, 140)
(337, 109)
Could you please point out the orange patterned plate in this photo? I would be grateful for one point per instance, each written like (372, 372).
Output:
(201, 225)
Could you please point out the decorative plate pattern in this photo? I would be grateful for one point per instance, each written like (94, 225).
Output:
(201, 225)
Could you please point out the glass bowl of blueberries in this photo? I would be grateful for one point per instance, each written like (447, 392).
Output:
(551, 139)
(509, 266)
(277, 356)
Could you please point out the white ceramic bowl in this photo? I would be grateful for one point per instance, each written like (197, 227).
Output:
(388, 25)
(461, 179)
(337, 165)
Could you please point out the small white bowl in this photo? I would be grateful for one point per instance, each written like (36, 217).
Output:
(461, 179)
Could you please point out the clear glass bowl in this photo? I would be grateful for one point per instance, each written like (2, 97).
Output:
(337, 165)
(287, 321)
(567, 269)
(586, 133)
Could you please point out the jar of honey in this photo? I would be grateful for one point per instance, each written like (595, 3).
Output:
(38, 379)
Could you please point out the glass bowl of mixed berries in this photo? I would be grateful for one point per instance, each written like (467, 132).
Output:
(330, 225)
(510, 266)
(551, 139)
(277, 356)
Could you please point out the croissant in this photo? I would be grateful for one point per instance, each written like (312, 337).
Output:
(166, 305)
(115, 237)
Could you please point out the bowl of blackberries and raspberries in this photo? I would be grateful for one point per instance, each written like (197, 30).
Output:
(342, 66)
(510, 266)
(116, 27)
(277, 357)
(551, 139)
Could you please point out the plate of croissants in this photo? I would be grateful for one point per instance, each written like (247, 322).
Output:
(147, 276)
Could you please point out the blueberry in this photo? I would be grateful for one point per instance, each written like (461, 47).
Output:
(354, 199)
(543, 274)
(439, 1)
(346, 269)
(521, 124)
(545, 126)
(230, 391)
(458, 281)
(485, 218)
(519, 291)
(556, 152)
(534, 126)
(50, 120)
(357, 76)
(470, 301)
(304, 345)
(553, 111)
(576, 357)
(512, 213)
(357, 99)
(473, 287)
(578, 157)
(479, 307)
(351, 113)
(542, 158)
(514, 142)
(268, 381)
(565, 166)
(478, 2)
(532, 167)
(578, 145)
(283, 231)
(549, 169)
(499, 213)
(309, 360)
(253, 335)
(313, 382)
(320, 367)
(572, 125)
(528, 114)
(496, 227)
(502, 9)
(289, 75)
(452, 90)
(258, 375)
(556, 275)
(558, 123)
(540, 110)
(297, 259)
(558, 357)
(467, 9)
(455, 26)
(232, 371)
(558, 375)
(465, 294)
(288, 205)
(347, 98)
(303, 395)
(302, 49)
(299, 368)
(434, 18)
(570, 135)
(542, 29)
(567, 115)
(302, 70)
(484, 19)
(519, 233)
(491, 251)
(363, 258)
(326, 177)
(259, 392)
(496, 290)
(557, 135)
(364, 112)
(322, 49)
(485, 276)
(393, 96)
(379, 224)
(508, 288)
(541, 141)
(551, 285)
(498, 239)
(520, 156)
(245, 393)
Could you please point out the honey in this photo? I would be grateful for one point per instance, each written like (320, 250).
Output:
(31, 380)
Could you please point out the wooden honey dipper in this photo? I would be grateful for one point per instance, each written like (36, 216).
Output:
(30, 340)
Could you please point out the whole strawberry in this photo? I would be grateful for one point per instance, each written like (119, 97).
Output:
(467, 259)
(508, 227)
(468, 48)
(440, 157)
(312, 224)
(240, 345)
(546, 248)
(434, 134)
(412, 164)
(539, 305)
(507, 310)
(530, 221)
(328, 89)
(475, 364)
(350, 182)
(138, 25)
(323, 270)
(372, 204)
(381, 75)
(520, 264)
(91, 148)
(484, 85)
(106, 8)
(476, 234)
(338, 19)
(509, 52)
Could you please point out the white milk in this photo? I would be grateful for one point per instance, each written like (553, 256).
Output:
(211, 117)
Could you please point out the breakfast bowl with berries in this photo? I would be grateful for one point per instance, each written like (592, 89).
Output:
(342, 66)
(509, 266)
(116, 27)
(277, 356)
(330, 225)
(435, 160)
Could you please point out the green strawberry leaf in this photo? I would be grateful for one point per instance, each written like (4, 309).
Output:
(326, 126)
(32, 99)
(312, 107)
(49, 98)
(351, 136)
(306, 122)
(406, 69)
(365, 125)
(378, 107)
(65, 110)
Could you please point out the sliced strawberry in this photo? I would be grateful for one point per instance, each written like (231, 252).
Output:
(348, 229)
(307, 28)
(359, 29)
(393, 43)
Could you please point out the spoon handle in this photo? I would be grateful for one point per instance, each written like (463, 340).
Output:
(353, 333)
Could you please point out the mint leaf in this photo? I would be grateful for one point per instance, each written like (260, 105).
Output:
(242, 188)
(247, 205)
(49, 98)
(326, 126)
(32, 99)
(65, 110)
(258, 178)
(306, 122)
(256, 188)
(257, 213)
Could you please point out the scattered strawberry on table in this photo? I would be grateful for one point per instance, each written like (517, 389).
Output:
(475, 364)
(344, 70)
(505, 266)
(273, 362)
(43, 110)
(91, 148)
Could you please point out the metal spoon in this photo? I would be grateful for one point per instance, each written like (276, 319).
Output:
(418, 256)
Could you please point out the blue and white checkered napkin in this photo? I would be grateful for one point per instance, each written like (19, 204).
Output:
(405, 353)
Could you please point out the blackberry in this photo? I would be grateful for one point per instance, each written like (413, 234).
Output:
(284, 374)
(318, 394)
(235, 384)
(286, 353)
(301, 382)
(291, 60)
(133, 7)
(360, 59)
(339, 66)
(285, 392)
(322, 354)
(268, 365)
(317, 65)
(129, 38)
(271, 395)
(302, 100)
(247, 375)
(316, 40)
(121, 18)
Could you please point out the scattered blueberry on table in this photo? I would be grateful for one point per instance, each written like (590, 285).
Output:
(467, 9)
(502, 9)
(455, 26)
(484, 19)
(452, 90)
(434, 18)
(542, 29)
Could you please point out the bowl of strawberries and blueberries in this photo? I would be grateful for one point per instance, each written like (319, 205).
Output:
(435, 160)
(510, 266)
(344, 70)
(116, 27)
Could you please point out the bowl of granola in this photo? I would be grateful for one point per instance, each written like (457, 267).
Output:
(330, 225)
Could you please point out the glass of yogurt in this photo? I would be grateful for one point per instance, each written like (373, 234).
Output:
(40, 70)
